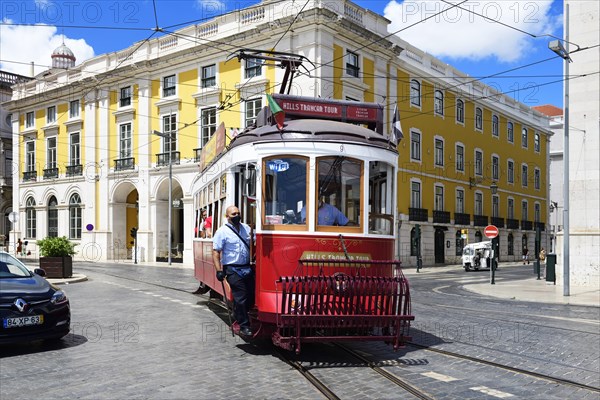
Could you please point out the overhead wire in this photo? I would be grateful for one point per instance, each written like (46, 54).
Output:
(323, 64)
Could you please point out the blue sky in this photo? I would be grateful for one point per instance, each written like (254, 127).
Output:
(511, 38)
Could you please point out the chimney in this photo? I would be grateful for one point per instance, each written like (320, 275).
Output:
(32, 73)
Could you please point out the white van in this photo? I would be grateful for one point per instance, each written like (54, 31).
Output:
(477, 255)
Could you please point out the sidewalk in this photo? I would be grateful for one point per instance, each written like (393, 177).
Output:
(526, 287)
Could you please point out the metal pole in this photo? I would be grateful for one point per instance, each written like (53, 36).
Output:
(170, 203)
(566, 272)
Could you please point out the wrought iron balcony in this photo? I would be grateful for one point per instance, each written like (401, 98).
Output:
(51, 173)
(74, 170)
(480, 220)
(122, 164)
(442, 217)
(197, 154)
(512, 223)
(541, 225)
(417, 214)
(29, 176)
(163, 158)
(526, 225)
(498, 222)
(462, 219)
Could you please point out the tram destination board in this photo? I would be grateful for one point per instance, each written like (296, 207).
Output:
(338, 110)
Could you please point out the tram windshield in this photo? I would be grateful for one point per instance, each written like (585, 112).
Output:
(338, 191)
(339, 197)
(285, 187)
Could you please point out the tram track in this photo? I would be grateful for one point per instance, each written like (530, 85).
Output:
(330, 394)
(560, 381)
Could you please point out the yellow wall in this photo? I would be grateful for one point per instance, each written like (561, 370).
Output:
(430, 126)
(338, 69)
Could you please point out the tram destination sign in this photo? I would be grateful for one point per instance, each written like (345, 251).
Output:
(338, 110)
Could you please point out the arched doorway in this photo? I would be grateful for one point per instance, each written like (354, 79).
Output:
(439, 245)
(124, 217)
(177, 222)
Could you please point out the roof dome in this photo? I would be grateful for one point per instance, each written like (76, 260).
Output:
(63, 57)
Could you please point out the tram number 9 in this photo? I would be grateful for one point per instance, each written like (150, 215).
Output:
(341, 148)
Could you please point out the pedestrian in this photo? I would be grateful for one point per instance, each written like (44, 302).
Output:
(542, 255)
(19, 247)
(525, 255)
(232, 244)
(25, 243)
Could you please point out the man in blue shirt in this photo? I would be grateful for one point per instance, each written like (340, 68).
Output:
(231, 258)
(327, 215)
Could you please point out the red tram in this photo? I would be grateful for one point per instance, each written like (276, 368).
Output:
(317, 278)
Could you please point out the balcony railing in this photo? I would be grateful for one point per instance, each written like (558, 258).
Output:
(480, 220)
(122, 164)
(442, 217)
(541, 225)
(50, 173)
(512, 223)
(462, 219)
(74, 170)
(417, 214)
(29, 176)
(163, 158)
(498, 222)
(197, 153)
(526, 225)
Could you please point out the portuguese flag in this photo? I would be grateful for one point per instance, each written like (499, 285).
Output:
(277, 112)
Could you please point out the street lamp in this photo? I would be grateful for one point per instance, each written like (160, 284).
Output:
(563, 52)
(169, 136)
(494, 188)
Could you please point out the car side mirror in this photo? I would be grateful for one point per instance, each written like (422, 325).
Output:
(39, 271)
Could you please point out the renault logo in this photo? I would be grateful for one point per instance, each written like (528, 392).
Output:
(21, 305)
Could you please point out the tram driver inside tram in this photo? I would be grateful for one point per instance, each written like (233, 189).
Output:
(327, 214)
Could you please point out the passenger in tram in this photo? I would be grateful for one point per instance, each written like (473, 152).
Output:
(205, 225)
(231, 258)
(327, 214)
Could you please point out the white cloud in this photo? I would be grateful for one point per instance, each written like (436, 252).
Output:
(459, 34)
(20, 45)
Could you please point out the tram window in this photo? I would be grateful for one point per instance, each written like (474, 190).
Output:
(381, 198)
(339, 189)
(284, 190)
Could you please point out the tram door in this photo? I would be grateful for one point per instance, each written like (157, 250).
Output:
(439, 246)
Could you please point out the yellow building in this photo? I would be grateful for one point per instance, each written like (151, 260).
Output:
(96, 141)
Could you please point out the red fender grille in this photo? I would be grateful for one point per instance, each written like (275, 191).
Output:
(343, 300)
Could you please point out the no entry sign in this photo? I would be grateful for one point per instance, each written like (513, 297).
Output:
(490, 231)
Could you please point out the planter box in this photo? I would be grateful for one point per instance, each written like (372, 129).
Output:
(57, 267)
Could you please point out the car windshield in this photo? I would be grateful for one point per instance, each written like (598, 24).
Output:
(12, 268)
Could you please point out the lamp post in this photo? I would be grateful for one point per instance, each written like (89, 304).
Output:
(557, 47)
(170, 137)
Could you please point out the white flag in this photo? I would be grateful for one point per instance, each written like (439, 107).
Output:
(397, 134)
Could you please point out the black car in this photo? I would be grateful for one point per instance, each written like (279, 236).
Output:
(31, 308)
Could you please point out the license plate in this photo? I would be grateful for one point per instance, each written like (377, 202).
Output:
(23, 321)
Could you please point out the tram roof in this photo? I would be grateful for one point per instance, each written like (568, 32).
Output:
(314, 130)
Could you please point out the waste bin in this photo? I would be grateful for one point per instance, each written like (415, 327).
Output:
(551, 268)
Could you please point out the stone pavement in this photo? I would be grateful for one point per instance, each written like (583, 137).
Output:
(526, 289)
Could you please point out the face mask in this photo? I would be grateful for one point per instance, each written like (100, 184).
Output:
(235, 219)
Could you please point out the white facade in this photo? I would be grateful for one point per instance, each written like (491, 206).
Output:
(584, 147)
